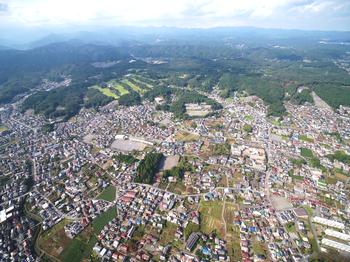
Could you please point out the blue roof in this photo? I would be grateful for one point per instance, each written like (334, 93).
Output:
(206, 250)
(252, 229)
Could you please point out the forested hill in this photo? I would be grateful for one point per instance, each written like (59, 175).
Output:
(53, 56)
(271, 67)
(23, 70)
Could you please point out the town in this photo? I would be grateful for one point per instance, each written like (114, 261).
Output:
(235, 186)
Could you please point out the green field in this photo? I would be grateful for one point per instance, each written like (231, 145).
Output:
(211, 216)
(248, 118)
(3, 128)
(108, 92)
(141, 82)
(306, 138)
(78, 249)
(121, 89)
(305, 152)
(290, 227)
(108, 194)
(133, 86)
(168, 233)
(81, 246)
(144, 80)
(103, 219)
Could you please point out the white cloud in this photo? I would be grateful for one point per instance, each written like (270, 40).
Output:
(185, 13)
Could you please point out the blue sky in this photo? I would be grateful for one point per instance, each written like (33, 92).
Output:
(291, 14)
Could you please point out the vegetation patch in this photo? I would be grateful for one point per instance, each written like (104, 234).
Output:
(108, 194)
(148, 167)
(127, 159)
(121, 89)
(306, 139)
(103, 219)
(3, 128)
(168, 233)
(305, 152)
(247, 128)
(190, 228)
(133, 86)
(221, 149)
(130, 99)
(108, 92)
(340, 156)
(211, 217)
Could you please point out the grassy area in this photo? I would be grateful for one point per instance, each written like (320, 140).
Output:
(121, 89)
(258, 248)
(211, 219)
(233, 243)
(81, 246)
(108, 194)
(55, 240)
(306, 138)
(133, 86)
(290, 227)
(103, 219)
(178, 187)
(108, 92)
(221, 149)
(248, 118)
(275, 122)
(142, 82)
(305, 152)
(309, 210)
(168, 233)
(3, 128)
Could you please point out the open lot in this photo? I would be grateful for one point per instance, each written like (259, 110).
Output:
(280, 203)
(186, 136)
(80, 247)
(170, 162)
(198, 110)
(128, 145)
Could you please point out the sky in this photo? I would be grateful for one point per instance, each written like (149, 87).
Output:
(289, 14)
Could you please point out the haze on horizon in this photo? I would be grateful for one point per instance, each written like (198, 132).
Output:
(54, 15)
